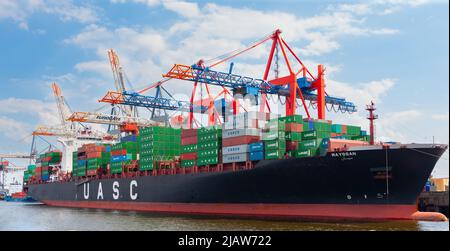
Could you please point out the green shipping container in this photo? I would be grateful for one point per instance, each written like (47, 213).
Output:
(208, 153)
(303, 153)
(274, 154)
(272, 135)
(189, 148)
(292, 119)
(353, 130)
(296, 136)
(276, 125)
(322, 126)
(274, 144)
(187, 163)
(309, 144)
(314, 134)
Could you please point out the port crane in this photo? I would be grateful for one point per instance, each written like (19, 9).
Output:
(4, 165)
(126, 124)
(298, 84)
(70, 134)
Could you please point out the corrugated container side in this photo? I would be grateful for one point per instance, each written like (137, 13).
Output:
(235, 149)
(240, 157)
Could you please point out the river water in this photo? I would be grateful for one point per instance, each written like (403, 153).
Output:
(35, 217)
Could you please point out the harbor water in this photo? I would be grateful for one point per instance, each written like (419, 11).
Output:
(35, 217)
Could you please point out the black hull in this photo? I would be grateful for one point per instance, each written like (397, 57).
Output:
(348, 178)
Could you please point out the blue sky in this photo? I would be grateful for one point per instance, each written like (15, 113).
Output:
(392, 51)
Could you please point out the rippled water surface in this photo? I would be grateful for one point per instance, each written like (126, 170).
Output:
(20, 216)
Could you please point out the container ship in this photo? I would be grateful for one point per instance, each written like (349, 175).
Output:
(324, 171)
(252, 164)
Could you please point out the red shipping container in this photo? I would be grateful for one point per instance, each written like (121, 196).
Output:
(291, 145)
(294, 127)
(185, 133)
(119, 152)
(242, 140)
(344, 129)
(188, 156)
(189, 140)
(91, 172)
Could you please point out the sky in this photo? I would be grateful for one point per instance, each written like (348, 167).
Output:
(394, 52)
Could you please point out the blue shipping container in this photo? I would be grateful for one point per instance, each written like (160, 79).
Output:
(81, 162)
(129, 138)
(108, 148)
(311, 125)
(254, 156)
(118, 158)
(257, 147)
(45, 177)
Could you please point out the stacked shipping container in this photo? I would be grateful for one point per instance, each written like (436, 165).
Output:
(123, 154)
(239, 132)
(274, 137)
(189, 147)
(158, 144)
(29, 173)
(89, 158)
(250, 136)
(209, 146)
(45, 163)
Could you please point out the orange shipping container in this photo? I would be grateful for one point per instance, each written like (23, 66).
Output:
(294, 127)
(91, 155)
(341, 144)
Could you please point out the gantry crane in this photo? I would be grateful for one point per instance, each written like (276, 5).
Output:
(5, 167)
(70, 134)
(126, 124)
(298, 84)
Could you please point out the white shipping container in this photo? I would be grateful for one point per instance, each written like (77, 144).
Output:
(250, 123)
(230, 158)
(236, 149)
(241, 132)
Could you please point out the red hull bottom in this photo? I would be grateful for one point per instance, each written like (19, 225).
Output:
(291, 211)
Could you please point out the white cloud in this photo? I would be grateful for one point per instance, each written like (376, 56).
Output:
(379, 7)
(186, 9)
(146, 53)
(440, 117)
(13, 129)
(20, 10)
(45, 112)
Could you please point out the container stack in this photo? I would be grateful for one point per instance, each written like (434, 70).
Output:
(189, 147)
(123, 154)
(97, 157)
(294, 129)
(209, 146)
(239, 132)
(274, 137)
(45, 162)
(79, 167)
(158, 144)
(29, 173)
